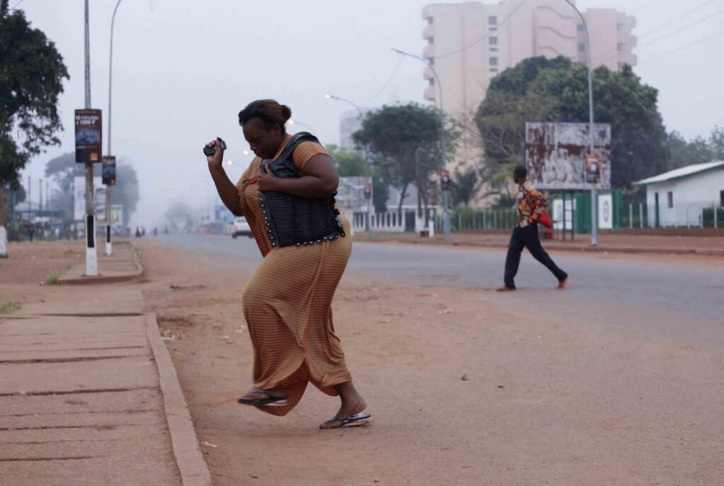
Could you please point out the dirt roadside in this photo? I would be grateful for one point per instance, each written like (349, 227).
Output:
(464, 390)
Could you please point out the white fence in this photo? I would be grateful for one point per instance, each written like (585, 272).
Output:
(390, 222)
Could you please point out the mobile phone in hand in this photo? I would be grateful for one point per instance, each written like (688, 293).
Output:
(211, 149)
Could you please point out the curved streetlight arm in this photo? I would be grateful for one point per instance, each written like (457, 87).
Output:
(110, 76)
(422, 59)
(591, 143)
(339, 98)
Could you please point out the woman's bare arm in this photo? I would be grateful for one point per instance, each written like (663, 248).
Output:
(320, 179)
(226, 189)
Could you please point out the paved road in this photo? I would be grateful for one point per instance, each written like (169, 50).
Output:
(677, 301)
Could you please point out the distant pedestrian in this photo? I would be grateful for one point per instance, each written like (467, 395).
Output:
(530, 204)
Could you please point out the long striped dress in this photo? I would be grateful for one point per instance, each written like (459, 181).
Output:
(287, 302)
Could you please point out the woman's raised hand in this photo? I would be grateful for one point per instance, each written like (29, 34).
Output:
(215, 160)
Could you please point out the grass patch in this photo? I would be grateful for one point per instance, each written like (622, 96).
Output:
(52, 278)
(9, 307)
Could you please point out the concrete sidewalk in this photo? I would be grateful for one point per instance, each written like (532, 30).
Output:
(88, 392)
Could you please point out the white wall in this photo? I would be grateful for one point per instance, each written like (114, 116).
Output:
(691, 195)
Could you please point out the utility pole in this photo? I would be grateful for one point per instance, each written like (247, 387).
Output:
(591, 135)
(109, 247)
(91, 257)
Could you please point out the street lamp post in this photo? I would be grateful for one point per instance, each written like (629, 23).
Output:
(91, 255)
(364, 152)
(109, 247)
(446, 223)
(594, 212)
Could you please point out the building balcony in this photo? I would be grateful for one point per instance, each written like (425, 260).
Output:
(427, 74)
(429, 51)
(430, 94)
(428, 32)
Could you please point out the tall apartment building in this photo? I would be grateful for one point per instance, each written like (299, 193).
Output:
(470, 43)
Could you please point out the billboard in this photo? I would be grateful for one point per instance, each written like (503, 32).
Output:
(116, 215)
(222, 213)
(108, 170)
(88, 136)
(557, 158)
(99, 199)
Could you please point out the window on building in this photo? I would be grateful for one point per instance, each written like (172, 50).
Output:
(492, 20)
(581, 46)
(493, 41)
(621, 46)
(721, 198)
(493, 61)
(580, 28)
(670, 199)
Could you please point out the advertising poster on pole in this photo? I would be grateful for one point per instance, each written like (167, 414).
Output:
(88, 136)
(99, 199)
(108, 170)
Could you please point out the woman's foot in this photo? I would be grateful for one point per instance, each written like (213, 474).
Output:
(350, 412)
(263, 398)
(356, 420)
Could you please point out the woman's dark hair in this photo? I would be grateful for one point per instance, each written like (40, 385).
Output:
(269, 112)
(520, 172)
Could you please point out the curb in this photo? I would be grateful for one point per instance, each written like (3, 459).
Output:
(559, 247)
(185, 444)
(126, 277)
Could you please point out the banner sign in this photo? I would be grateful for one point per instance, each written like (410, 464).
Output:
(108, 171)
(116, 215)
(99, 199)
(557, 156)
(88, 136)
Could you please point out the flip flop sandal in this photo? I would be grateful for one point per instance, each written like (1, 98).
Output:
(356, 420)
(269, 401)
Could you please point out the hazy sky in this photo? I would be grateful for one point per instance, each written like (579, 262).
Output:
(183, 69)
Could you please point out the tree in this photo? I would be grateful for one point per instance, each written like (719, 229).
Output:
(556, 90)
(349, 163)
(353, 164)
(180, 216)
(393, 134)
(716, 143)
(463, 186)
(638, 136)
(31, 80)
(64, 169)
(501, 118)
(683, 152)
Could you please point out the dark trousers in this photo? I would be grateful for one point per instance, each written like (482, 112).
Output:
(527, 237)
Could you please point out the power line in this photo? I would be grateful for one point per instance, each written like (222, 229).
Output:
(687, 26)
(389, 79)
(680, 17)
(613, 53)
(680, 48)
